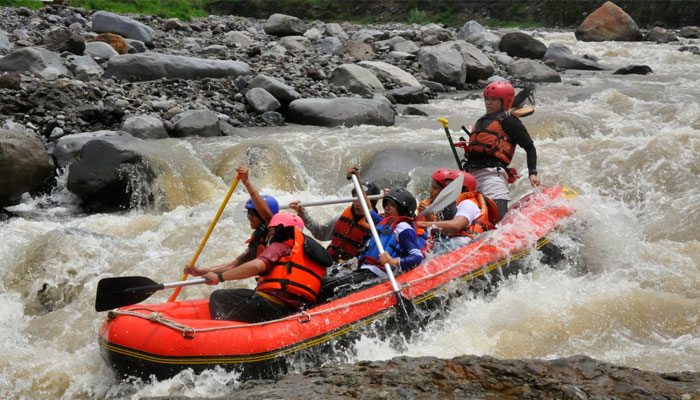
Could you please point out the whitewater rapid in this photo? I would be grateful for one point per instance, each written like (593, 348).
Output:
(629, 295)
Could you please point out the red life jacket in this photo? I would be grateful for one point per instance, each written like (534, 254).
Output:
(349, 236)
(297, 273)
(487, 218)
(493, 141)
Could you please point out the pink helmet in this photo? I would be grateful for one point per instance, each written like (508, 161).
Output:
(503, 91)
(469, 182)
(287, 219)
(441, 175)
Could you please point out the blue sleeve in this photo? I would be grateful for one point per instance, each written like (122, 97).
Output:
(375, 217)
(409, 246)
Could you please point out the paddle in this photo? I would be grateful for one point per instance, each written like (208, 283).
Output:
(206, 236)
(125, 290)
(404, 307)
(444, 123)
(239, 213)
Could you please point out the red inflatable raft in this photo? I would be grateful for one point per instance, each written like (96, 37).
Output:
(163, 339)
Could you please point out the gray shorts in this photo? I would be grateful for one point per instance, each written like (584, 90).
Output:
(492, 182)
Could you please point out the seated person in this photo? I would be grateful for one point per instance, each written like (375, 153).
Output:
(402, 246)
(348, 232)
(475, 214)
(440, 178)
(289, 270)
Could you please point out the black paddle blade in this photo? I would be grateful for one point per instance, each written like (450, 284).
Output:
(527, 95)
(123, 291)
(406, 316)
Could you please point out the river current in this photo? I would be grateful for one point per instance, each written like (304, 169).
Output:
(629, 294)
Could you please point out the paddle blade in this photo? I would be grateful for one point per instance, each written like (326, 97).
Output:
(446, 196)
(123, 291)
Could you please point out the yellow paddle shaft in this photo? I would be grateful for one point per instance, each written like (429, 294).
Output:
(206, 236)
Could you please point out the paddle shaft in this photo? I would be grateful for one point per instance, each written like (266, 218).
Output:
(375, 235)
(443, 121)
(334, 201)
(206, 236)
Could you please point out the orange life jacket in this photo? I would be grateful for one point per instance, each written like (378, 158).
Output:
(493, 141)
(350, 234)
(299, 273)
(487, 218)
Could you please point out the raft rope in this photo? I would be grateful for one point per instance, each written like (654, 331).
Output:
(303, 316)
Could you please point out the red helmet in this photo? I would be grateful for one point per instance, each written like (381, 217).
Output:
(469, 182)
(441, 175)
(502, 90)
(287, 219)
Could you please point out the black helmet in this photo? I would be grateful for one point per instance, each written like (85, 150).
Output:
(369, 187)
(405, 202)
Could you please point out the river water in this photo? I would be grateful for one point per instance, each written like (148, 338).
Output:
(629, 295)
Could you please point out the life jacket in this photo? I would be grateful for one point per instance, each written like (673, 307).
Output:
(349, 236)
(487, 218)
(390, 240)
(257, 241)
(300, 273)
(488, 137)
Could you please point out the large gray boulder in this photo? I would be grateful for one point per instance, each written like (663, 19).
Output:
(284, 25)
(35, 60)
(563, 57)
(519, 44)
(145, 127)
(389, 72)
(408, 95)
(342, 111)
(356, 79)
(64, 39)
(84, 68)
(533, 71)
(282, 92)
(103, 21)
(67, 149)
(104, 174)
(261, 100)
(151, 66)
(454, 63)
(469, 28)
(24, 164)
(335, 30)
(205, 123)
(100, 50)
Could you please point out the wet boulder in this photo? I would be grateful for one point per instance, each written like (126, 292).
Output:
(690, 32)
(284, 25)
(107, 22)
(67, 148)
(24, 164)
(563, 57)
(608, 22)
(533, 71)
(408, 95)
(519, 44)
(660, 35)
(109, 175)
(634, 70)
(341, 111)
(356, 79)
(151, 66)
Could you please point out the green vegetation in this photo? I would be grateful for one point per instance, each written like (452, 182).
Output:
(182, 9)
(32, 4)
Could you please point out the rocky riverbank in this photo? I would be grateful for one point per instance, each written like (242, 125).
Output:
(72, 77)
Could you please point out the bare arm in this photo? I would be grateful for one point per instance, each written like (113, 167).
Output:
(451, 226)
(260, 204)
(246, 270)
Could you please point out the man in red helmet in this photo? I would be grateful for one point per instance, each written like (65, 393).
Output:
(474, 215)
(441, 177)
(492, 143)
